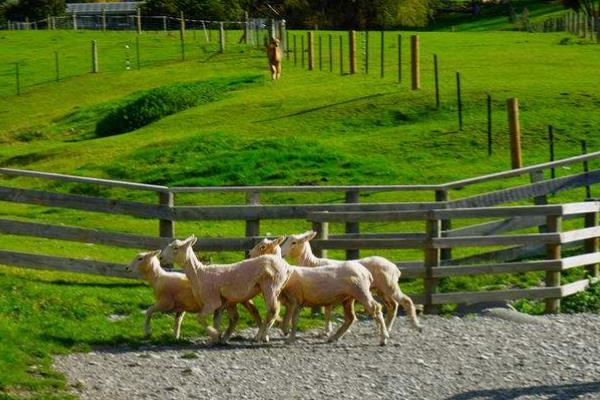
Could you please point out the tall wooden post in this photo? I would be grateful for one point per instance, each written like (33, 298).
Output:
(586, 170)
(445, 225)
(553, 252)
(322, 229)
(436, 81)
(252, 226)
(182, 35)
(382, 54)
(459, 102)
(592, 244)
(164, 21)
(512, 106)
(222, 37)
(49, 22)
(432, 260)
(341, 56)
(399, 58)
(352, 51)
(103, 20)
(139, 20)
(246, 29)
(94, 56)
(311, 51)
(283, 36)
(352, 197)
(330, 53)
(74, 21)
(166, 227)
(415, 68)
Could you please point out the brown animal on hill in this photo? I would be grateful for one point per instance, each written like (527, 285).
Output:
(275, 56)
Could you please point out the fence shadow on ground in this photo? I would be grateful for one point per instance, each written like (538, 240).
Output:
(555, 392)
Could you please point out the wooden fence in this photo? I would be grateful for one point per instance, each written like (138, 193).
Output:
(443, 209)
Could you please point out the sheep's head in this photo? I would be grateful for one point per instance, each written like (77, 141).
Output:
(142, 262)
(294, 244)
(267, 246)
(176, 250)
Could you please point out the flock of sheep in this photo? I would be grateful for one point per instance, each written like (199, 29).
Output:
(312, 281)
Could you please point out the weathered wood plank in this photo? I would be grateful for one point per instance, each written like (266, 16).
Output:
(498, 268)
(292, 189)
(289, 211)
(366, 216)
(118, 239)
(581, 208)
(521, 171)
(36, 261)
(493, 212)
(574, 287)
(478, 241)
(527, 191)
(343, 244)
(580, 234)
(580, 260)
(83, 179)
(85, 203)
(390, 235)
(412, 272)
(495, 295)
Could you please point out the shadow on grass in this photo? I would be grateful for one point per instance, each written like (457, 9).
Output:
(309, 110)
(115, 285)
(562, 392)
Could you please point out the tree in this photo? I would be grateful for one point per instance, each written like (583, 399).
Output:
(34, 9)
(590, 7)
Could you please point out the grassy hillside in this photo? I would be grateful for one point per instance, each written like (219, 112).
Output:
(316, 127)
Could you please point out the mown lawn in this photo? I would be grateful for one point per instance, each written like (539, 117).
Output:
(316, 127)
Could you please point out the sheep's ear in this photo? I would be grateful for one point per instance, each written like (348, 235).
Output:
(310, 235)
(279, 240)
(154, 253)
(190, 240)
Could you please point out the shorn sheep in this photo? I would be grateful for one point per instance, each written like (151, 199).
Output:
(385, 277)
(326, 286)
(173, 292)
(275, 57)
(217, 285)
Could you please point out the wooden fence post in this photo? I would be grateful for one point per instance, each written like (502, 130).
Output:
(352, 51)
(164, 21)
(341, 56)
(399, 58)
(295, 53)
(56, 66)
(445, 225)
(246, 29)
(551, 144)
(330, 53)
(252, 226)
(103, 20)
(48, 22)
(222, 37)
(320, 53)
(166, 227)
(366, 52)
(182, 35)
(352, 196)
(592, 245)
(512, 106)
(302, 51)
(432, 258)
(18, 78)
(94, 57)
(381, 58)
(414, 62)
(322, 229)
(311, 51)
(139, 20)
(553, 252)
(283, 36)
(586, 170)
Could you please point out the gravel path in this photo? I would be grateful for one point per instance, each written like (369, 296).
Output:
(479, 357)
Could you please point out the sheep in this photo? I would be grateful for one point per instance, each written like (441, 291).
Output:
(275, 57)
(173, 293)
(172, 290)
(230, 284)
(326, 286)
(385, 277)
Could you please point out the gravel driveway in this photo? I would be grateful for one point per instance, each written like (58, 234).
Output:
(478, 357)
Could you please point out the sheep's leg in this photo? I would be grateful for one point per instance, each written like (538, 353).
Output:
(349, 318)
(328, 324)
(249, 305)
(270, 295)
(409, 308)
(178, 319)
(392, 312)
(234, 317)
(147, 329)
(273, 71)
(373, 308)
(217, 317)
(294, 311)
(209, 308)
(285, 324)
(279, 70)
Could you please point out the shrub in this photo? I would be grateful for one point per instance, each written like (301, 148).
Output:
(154, 104)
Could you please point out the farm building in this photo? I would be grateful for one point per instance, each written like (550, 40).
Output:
(117, 15)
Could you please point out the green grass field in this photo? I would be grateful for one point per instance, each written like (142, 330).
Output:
(316, 127)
